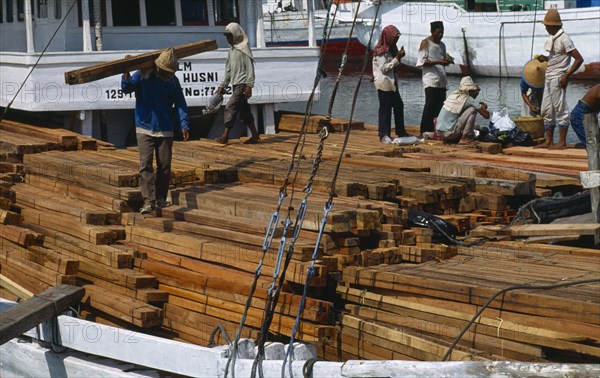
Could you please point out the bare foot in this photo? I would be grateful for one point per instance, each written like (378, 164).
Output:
(222, 140)
(559, 146)
(253, 140)
(543, 145)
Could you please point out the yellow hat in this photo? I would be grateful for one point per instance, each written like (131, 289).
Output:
(552, 18)
(167, 61)
(534, 73)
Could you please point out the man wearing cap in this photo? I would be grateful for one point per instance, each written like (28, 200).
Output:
(558, 50)
(456, 121)
(433, 59)
(239, 71)
(532, 87)
(156, 91)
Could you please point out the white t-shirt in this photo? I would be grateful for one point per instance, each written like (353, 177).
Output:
(557, 49)
(433, 76)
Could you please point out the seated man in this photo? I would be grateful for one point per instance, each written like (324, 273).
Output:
(456, 121)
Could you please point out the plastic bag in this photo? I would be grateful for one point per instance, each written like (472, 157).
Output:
(407, 140)
(501, 121)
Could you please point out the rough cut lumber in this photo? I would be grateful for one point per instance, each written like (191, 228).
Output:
(23, 317)
(138, 62)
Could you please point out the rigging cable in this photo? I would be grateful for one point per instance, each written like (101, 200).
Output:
(275, 289)
(533, 28)
(510, 288)
(37, 61)
(329, 204)
(282, 194)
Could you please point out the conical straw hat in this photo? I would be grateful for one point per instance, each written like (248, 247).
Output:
(534, 73)
(167, 60)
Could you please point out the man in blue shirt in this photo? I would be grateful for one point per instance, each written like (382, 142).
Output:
(156, 91)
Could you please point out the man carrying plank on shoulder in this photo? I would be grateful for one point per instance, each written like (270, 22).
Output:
(156, 91)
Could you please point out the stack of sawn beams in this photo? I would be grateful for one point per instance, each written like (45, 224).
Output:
(416, 311)
(211, 240)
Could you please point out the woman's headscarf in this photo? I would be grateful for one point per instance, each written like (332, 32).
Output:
(456, 101)
(240, 39)
(386, 41)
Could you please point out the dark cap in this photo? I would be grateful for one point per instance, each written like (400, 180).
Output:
(436, 25)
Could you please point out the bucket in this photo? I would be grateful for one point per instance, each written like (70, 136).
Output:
(532, 125)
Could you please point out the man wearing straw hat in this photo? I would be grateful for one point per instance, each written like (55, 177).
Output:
(156, 91)
(532, 87)
(559, 49)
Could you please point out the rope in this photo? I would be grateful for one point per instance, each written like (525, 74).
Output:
(510, 288)
(37, 61)
(329, 204)
(282, 194)
(211, 339)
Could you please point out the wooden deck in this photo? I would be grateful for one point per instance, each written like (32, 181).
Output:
(383, 289)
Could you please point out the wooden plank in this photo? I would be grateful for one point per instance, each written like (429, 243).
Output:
(23, 317)
(14, 287)
(138, 62)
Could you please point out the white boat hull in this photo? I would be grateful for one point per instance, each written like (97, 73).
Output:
(489, 43)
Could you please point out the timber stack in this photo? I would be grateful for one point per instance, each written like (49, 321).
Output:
(382, 289)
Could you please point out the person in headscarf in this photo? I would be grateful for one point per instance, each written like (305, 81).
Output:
(456, 121)
(157, 90)
(386, 58)
(239, 71)
(559, 49)
(433, 60)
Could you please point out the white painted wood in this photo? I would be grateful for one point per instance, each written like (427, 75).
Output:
(86, 30)
(302, 351)
(128, 346)
(260, 25)
(28, 27)
(178, 17)
(23, 359)
(308, 6)
(143, 20)
(590, 179)
(465, 369)
(274, 351)
(269, 118)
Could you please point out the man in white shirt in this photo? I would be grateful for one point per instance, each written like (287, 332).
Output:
(558, 52)
(432, 59)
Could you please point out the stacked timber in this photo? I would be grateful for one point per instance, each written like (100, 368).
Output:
(416, 311)
(401, 294)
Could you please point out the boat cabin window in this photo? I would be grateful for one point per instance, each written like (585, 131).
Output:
(42, 8)
(126, 12)
(1, 11)
(160, 13)
(21, 9)
(57, 9)
(193, 12)
(9, 11)
(226, 11)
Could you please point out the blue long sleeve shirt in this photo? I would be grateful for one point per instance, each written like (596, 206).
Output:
(154, 99)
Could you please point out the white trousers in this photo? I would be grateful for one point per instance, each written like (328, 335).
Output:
(554, 108)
